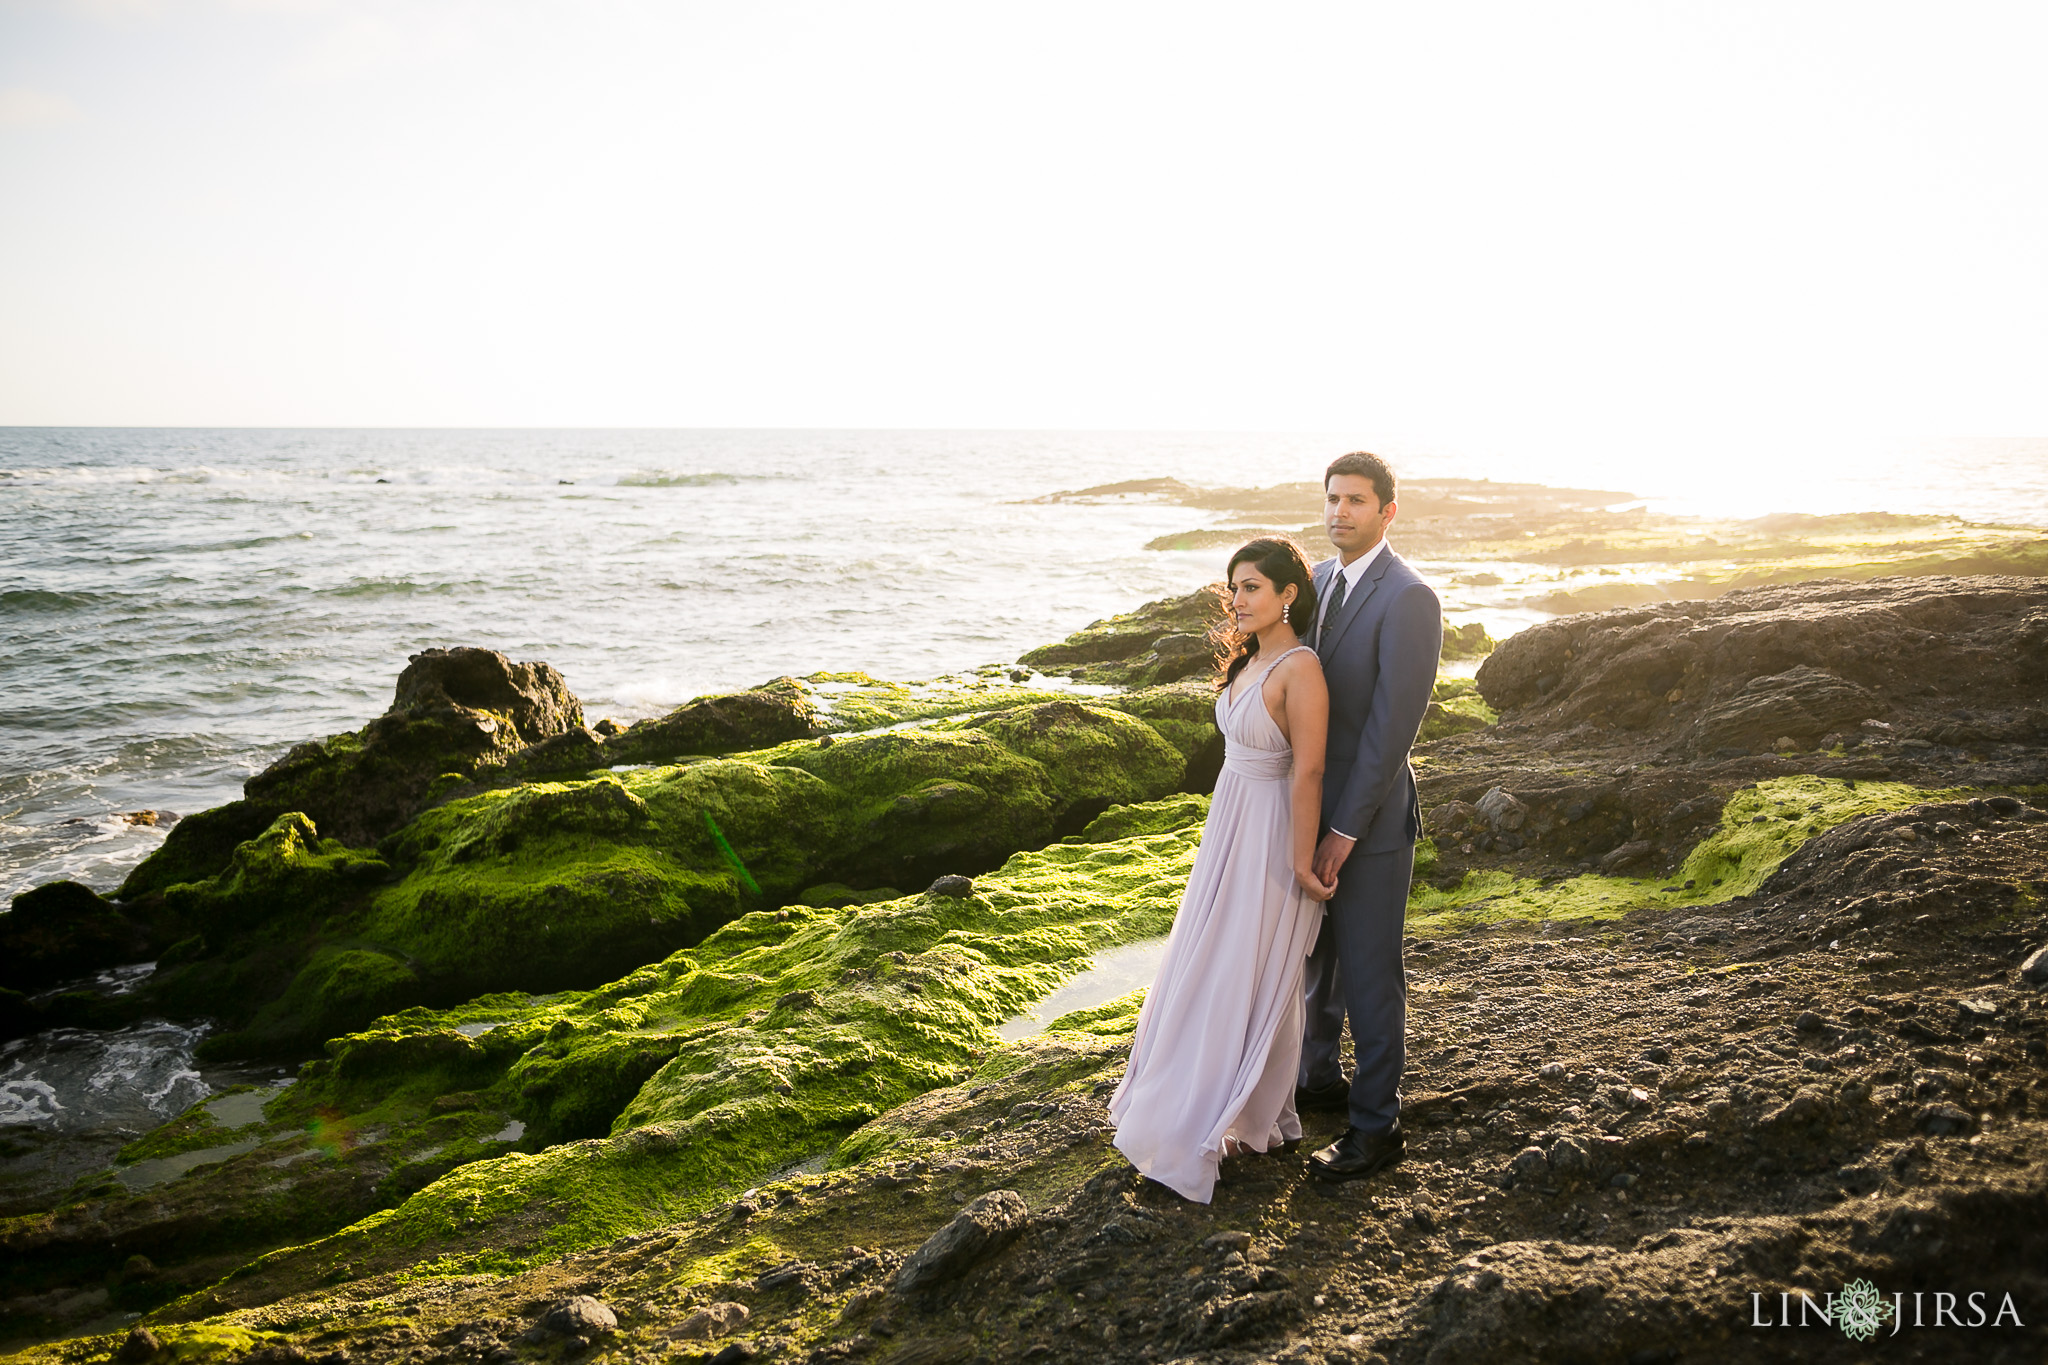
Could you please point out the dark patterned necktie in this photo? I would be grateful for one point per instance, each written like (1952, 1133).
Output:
(1336, 605)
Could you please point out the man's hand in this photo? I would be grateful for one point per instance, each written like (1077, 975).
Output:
(1330, 855)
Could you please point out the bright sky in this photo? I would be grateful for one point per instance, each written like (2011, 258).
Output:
(1451, 218)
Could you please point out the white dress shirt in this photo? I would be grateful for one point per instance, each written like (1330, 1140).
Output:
(1352, 572)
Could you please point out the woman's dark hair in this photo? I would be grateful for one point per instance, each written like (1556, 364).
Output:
(1282, 560)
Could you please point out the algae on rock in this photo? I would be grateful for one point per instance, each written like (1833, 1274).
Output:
(767, 1043)
(1760, 827)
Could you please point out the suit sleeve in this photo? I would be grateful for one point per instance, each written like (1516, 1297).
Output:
(1410, 638)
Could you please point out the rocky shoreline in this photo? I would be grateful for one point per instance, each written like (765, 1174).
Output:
(1720, 985)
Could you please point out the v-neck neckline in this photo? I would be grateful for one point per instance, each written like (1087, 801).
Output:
(1231, 702)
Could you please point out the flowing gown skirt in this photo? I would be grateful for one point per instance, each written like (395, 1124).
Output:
(1219, 1036)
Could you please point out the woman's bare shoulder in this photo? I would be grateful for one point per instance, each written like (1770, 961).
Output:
(1300, 665)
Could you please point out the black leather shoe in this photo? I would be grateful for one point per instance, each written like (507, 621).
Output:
(1332, 1098)
(1357, 1155)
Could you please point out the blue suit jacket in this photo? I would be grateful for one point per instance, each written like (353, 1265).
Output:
(1379, 657)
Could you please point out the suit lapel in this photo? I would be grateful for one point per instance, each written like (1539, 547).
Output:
(1333, 631)
(1321, 576)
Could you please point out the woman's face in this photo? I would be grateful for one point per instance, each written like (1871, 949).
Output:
(1253, 601)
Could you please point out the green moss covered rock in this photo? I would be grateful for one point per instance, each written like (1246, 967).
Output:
(197, 847)
(1160, 642)
(770, 714)
(1455, 707)
(549, 886)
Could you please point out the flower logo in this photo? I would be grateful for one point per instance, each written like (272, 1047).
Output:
(1860, 1310)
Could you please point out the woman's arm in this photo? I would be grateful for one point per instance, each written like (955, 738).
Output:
(1307, 707)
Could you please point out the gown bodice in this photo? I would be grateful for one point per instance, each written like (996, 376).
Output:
(1253, 746)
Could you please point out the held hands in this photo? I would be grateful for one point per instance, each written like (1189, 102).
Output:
(1330, 855)
(1314, 887)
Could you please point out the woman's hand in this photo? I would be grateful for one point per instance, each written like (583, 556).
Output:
(1312, 886)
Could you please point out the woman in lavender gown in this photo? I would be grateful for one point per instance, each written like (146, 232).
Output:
(1213, 1064)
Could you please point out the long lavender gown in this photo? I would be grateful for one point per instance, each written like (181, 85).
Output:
(1219, 1037)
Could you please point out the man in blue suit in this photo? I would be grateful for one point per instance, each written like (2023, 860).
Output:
(1378, 631)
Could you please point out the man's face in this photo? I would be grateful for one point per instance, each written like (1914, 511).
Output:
(1354, 515)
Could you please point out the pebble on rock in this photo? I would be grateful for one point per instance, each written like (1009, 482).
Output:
(581, 1316)
(1501, 810)
(1945, 1120)
(1571, 1158)
(1806, 1106)
(140, 1345)
(984, 1227)
(2034, 971)
(717, 1320)
(953, 885)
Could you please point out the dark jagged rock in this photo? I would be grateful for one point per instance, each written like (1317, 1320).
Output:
(977, 1232)
(1801, 704)
(532, 697)
(456, 714)
(455, 711)
(64, 929)
(1744, 670)
(574, 752)
(770, 714)
(140, 1344)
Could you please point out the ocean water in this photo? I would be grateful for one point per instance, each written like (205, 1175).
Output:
(177, 607)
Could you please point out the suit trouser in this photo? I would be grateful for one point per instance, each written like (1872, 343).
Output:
(1356, 970)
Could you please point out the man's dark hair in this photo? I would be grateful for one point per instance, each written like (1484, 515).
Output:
(1366, 467)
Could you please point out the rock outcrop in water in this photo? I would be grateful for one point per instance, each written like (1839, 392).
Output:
(565, 884)
(63, 929)
(1675, 1008)
(454, 711)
